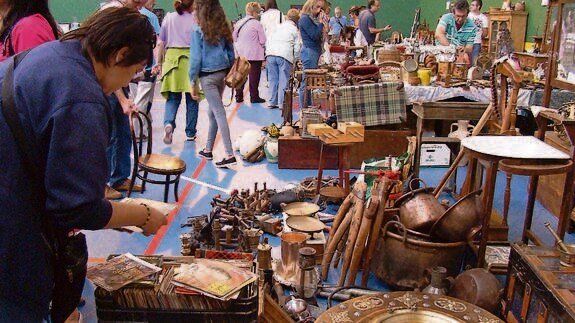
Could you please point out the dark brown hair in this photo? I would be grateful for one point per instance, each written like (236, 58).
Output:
(270, 4)
(212, 20)
(107, 31)
(183, 5)
(462, 5)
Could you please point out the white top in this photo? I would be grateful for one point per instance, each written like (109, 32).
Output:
(481, 21)
(284, 42)
(270, 20)
(526, 147)
(359, 40)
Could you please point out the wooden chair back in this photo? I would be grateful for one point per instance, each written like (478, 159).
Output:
(504, 101)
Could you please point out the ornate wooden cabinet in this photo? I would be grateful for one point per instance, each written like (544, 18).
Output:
(539, 288)
(515, 21)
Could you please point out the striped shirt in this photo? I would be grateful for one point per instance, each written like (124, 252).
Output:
(458, 37)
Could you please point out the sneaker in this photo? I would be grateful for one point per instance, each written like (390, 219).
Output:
(258, 100)
(226, 162)
(239, 100)
(112, 194)
(206, 154)
(191, 138)
(168, 133)
(125, 186)
(273, 106)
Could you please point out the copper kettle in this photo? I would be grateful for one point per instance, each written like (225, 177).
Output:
(419, 209)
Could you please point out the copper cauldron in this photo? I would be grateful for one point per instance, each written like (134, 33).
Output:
(402, 259)
(419, 209)
(456, 223)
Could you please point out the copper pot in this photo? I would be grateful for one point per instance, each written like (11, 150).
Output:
(456, 223)
(479, 287)
(402, 259)
(419, 208)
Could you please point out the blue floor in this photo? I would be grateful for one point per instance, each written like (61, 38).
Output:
(202, 181)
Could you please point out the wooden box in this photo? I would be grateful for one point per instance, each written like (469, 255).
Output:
(303, 153)
(539, 288)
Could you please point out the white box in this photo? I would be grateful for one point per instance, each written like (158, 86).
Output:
(434, 155)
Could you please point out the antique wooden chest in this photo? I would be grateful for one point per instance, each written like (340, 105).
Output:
(539, 288)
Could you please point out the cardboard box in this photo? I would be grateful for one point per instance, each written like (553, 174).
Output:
(437, 155)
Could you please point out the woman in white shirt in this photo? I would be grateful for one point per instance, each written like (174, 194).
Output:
(271, 18)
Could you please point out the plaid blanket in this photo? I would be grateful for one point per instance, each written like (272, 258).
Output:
(371, 104)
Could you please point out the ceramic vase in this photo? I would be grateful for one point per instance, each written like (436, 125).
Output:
(460, 130)
(271, 149)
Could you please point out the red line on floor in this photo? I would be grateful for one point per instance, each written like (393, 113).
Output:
(159, 236)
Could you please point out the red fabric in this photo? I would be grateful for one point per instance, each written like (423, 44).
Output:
(29, 32)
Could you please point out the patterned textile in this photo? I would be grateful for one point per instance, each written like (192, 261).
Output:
(371, 104)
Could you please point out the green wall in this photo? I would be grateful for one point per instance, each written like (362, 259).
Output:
(397, 13)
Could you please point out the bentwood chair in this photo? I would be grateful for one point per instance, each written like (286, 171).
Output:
(164, 169)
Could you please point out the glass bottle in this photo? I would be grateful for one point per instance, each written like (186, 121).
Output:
(438, 279)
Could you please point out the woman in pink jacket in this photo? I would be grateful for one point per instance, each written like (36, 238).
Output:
(25, 24)
(249, 42)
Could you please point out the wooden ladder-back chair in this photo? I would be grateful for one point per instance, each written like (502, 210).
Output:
(317, 86)
(503, 122)
(146, 162)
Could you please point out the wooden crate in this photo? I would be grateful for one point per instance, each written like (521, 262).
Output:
(303, 153)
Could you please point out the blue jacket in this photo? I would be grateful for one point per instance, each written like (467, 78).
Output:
(65, 112)
(311, 32)
(206, 57)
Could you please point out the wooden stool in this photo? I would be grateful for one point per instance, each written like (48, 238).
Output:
(343, 165)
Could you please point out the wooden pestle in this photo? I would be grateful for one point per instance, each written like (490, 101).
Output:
(554, 234)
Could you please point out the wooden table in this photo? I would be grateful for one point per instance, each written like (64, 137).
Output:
(442, 111)
(490, 151)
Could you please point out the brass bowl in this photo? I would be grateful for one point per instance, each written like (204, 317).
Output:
(300, 208)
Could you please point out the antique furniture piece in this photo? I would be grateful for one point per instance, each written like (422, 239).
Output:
(539, 288)
(561, 68)
(316, 85)
(530, 61)
(514, 21)
(406, 307)
(534, 159)
(441, 111)
(146, 162)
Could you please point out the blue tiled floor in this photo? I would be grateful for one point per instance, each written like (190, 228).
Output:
(202, 181)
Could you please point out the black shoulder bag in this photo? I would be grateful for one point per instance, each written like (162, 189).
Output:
(69, 252)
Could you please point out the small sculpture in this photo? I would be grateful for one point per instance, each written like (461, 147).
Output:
(506, 5)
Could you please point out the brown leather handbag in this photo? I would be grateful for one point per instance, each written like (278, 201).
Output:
(238, 74)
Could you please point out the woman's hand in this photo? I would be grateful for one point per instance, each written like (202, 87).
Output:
(157, 69)
(154, 222)
(195, 91)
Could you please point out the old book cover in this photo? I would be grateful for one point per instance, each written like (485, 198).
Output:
(213, 278)
(120, 271)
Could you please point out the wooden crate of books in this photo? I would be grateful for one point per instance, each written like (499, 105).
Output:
(159, 300)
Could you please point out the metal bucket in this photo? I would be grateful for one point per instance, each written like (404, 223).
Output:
(419, 208)
(402, 259)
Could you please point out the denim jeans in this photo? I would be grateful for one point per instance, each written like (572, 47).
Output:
(172, 105)
(279, 70)
(475, 53)
(213, 86)
(120, 146)
(309, 59)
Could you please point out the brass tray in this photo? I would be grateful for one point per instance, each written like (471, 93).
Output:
(403, 307)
